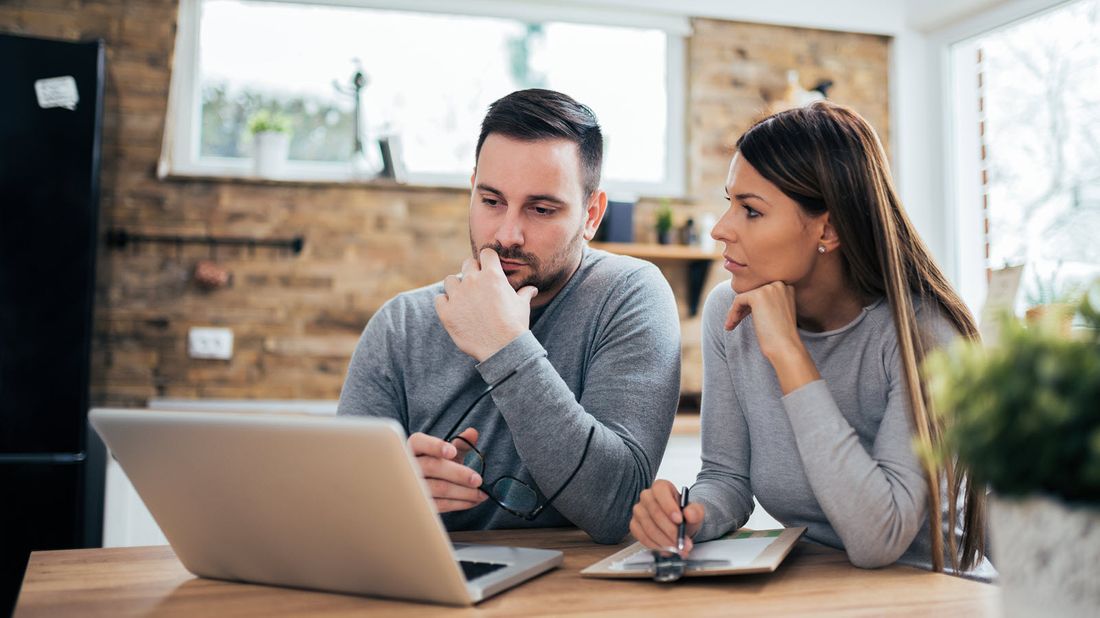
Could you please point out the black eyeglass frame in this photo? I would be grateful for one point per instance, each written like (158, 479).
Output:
(534, 513)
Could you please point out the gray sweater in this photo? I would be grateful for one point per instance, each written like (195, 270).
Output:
(835, 455)
(605, 352)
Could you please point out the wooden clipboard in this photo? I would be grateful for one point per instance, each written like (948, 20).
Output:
(768, 548)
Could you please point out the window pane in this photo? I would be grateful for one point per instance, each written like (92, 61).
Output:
(431, 79)
(1040, 95)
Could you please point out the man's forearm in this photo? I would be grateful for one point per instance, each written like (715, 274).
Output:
(549, 427)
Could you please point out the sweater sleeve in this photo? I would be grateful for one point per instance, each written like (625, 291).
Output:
(371, 387)
(630, 393)
(722, 486)
(876, 500)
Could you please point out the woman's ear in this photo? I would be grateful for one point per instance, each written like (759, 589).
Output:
(829, 238)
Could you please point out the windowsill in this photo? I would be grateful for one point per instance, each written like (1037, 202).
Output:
(379, 184)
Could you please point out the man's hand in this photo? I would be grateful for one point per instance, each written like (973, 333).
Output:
(454, 487)
(480, 310)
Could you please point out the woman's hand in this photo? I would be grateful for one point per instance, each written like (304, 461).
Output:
(656, 518)
(774, 318)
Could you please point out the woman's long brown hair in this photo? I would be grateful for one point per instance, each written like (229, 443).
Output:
(827, 158)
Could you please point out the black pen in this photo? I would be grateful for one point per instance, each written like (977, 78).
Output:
(683, 520)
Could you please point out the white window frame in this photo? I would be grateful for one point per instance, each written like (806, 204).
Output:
(960, 168)
(180, 156)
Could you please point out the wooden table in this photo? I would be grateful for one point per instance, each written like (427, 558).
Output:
(813, 580)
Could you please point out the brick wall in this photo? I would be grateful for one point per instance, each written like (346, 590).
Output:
(296, 318)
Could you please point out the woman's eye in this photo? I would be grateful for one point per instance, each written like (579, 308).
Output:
(752, 212)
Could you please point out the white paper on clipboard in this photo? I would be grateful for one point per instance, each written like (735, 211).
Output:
(57, 92)
(735, 553)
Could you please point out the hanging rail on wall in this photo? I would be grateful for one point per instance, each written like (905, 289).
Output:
(120, 239)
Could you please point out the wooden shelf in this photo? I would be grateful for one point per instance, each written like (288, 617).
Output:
(698, 262)
(657, 252)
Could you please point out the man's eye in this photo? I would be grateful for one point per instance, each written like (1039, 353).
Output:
(539, 210)
(489, 202)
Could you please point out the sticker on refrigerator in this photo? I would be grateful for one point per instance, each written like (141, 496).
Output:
(57, 92)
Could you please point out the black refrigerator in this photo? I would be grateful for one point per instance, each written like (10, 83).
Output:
(51, 466)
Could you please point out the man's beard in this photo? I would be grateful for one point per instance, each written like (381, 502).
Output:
(560, 265)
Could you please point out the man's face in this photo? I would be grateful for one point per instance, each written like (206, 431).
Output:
(528, 204)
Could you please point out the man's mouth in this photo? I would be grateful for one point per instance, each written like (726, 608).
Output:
(511, 265)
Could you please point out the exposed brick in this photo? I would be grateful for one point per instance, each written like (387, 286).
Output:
(296, 319)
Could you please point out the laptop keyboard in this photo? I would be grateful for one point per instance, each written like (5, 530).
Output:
(473, 570)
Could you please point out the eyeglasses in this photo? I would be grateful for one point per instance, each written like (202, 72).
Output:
(508, 492)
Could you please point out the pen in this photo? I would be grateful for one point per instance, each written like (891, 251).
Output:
(683, 520)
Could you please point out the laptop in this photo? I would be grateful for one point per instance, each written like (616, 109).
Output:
(333, 504)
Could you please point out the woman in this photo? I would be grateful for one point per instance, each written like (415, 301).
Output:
(812, 399)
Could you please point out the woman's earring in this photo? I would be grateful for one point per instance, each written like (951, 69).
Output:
(821, 248)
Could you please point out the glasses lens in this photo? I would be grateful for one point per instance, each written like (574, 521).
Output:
(515, 495)
(474, 461)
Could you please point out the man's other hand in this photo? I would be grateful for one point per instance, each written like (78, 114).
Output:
(454, 487)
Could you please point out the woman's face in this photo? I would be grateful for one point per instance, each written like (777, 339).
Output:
(768, 236)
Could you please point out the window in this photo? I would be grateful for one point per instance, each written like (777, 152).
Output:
(430, 78)
(1028, 128)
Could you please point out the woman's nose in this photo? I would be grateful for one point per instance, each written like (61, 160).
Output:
(724, 229)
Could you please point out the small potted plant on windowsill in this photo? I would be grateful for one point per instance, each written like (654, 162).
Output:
(1024, 416)
(1053, 297)
(271, 142)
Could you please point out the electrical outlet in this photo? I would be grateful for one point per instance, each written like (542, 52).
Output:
(205, 342)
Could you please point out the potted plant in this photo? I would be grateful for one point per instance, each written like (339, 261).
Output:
(1024, 417)
(271, 142)
(1049, 295)
(664, 224)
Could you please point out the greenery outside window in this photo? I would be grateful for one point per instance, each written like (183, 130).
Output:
(431, 73)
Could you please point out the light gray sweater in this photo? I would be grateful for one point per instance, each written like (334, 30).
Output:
(605, 352)
(835, 455)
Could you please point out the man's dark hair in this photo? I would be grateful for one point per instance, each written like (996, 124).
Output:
(536, 114)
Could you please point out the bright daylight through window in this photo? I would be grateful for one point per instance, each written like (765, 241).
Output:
(431, 90)
(1040, 95)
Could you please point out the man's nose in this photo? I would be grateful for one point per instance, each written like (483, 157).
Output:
(510, 232)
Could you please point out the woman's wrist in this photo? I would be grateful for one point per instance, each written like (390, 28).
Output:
(793, 367)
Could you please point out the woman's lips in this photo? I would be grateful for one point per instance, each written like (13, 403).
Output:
(733, 265)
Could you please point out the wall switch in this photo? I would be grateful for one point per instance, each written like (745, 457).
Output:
(205, 342)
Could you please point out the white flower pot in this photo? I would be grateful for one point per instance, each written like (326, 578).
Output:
(270, 152)
(1048, 556)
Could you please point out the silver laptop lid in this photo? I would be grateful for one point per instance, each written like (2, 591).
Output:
(325, 503)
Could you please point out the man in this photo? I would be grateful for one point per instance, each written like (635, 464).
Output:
(580, 348)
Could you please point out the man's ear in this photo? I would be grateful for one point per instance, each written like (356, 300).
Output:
(829, 238)
(597, 206)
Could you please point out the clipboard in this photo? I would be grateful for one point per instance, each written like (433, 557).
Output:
(742, 551)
